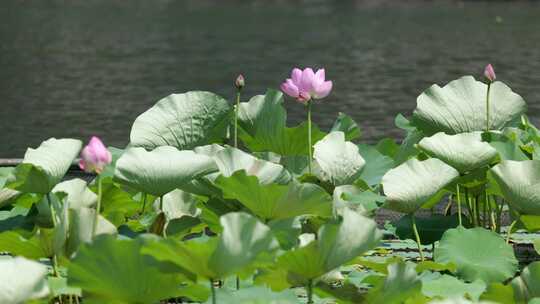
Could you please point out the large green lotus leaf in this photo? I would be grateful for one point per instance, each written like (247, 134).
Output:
(78, 193)
(262, 123)
(184, 121)
(413, 183)
(447, 286)
(22, 280)
(338, 243)
(519, 182)
(401, 283)
(273, 201)
(464, 151)
(162, 170)
(17, 245)
(527, 285)
(44, 167)
(243, 239)
(338, 160)
(460, 107)
(460, 300)
(115, 270)
(255, 295)
(377, 164)
(231, 160)
(478, 254)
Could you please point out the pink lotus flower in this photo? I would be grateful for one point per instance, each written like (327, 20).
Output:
(240, 82)
(489, 72)
(95, 156)
(306, 85)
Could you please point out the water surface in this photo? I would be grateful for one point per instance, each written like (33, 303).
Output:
(83, 67)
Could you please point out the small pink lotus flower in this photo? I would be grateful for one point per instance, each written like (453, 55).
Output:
(489, 72)
(95, 156)
(306, 85)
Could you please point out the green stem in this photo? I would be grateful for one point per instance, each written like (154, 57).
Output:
(310, 292)
(161, 203)
(309, 136)
(145, 197)
(236, 119)
(417, 238)
(237, 283)
(213, 290)
(487, 106)
(98, 207)
(509, 232)
(54, 260)
(459, 205)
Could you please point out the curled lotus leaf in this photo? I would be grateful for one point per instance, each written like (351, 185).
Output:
(464, 151)
(161, 170)
(338, 160)
(415, 183)
(519, 182)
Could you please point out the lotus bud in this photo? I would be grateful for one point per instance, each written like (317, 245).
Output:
(489, 72)
(240, 82)
(95, 156)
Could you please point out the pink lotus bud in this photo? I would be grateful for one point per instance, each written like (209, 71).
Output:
(240, 82)
(489, 72)
(305, 85)
(95, 156)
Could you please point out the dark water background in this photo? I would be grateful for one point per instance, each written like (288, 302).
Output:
(83, 67)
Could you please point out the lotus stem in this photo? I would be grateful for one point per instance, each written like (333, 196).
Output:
(310, 292)
(213, 290)
(98, 207)
(54, 260)
(236, 108)
(417, 238)
(237, 283)
(309, 135)
(161, 203)
(458, 205)
(487, 106)
(145, 197)
(509, 232)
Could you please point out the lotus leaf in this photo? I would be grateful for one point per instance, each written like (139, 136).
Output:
(460, 107)
(184, 121)
(493, 261)
(414, 183)
(464, 151)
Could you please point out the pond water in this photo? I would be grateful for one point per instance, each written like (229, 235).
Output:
(83, 67)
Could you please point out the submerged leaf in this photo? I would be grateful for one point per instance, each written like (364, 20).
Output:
(460, 107)
(184, 121)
